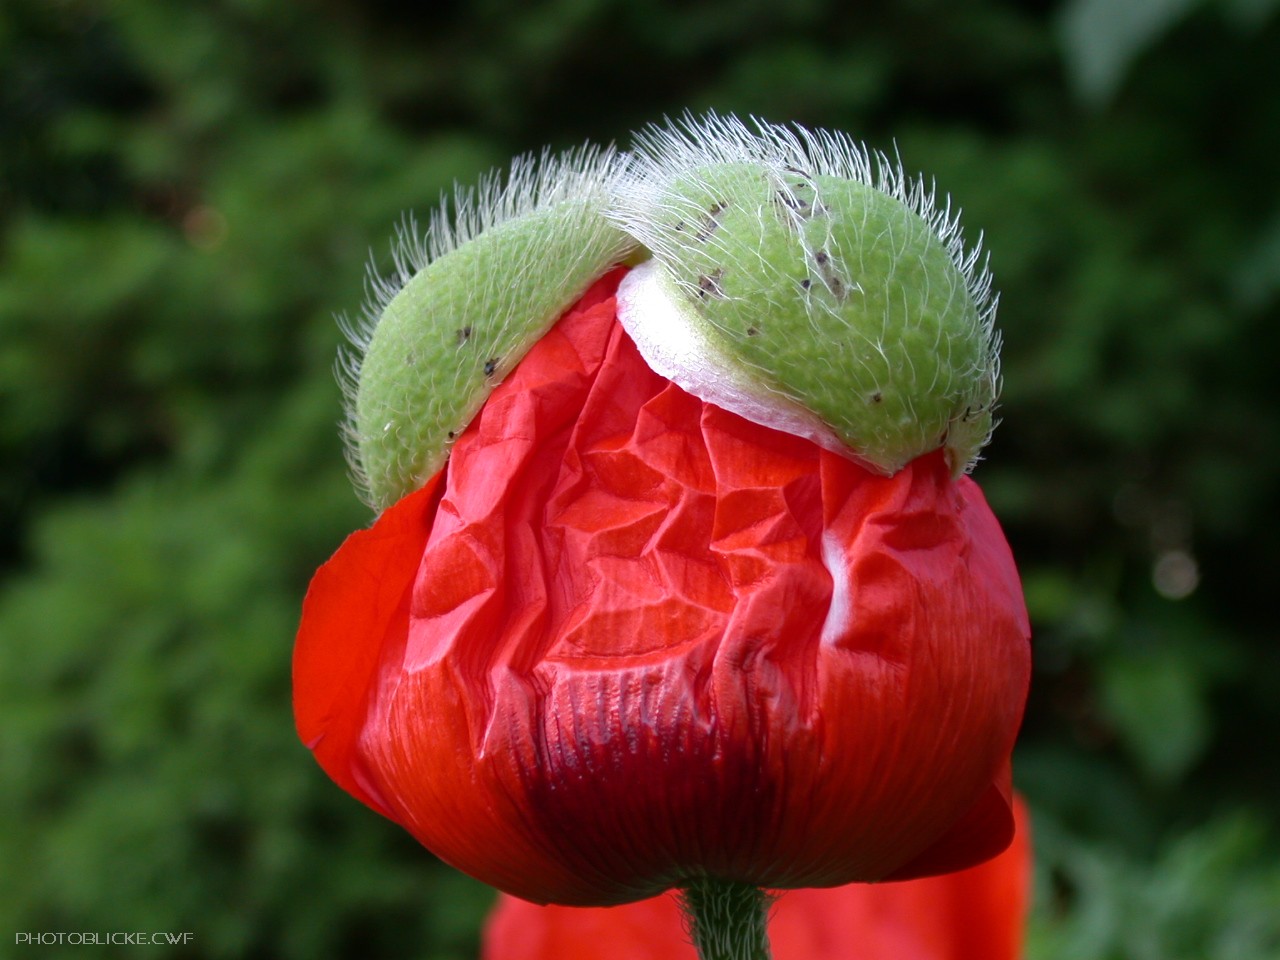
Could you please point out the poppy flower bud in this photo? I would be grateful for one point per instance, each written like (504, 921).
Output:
(620, 637)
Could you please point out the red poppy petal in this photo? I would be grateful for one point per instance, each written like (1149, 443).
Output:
(645, 930)
(984, 831)
(645, 637)
(356, 601)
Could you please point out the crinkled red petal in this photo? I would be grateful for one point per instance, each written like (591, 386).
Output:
(630, 636)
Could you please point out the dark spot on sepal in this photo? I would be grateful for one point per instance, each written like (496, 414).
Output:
(832, 280)
(803, 209)
(464, 334)
(491, 366)
(709, 284)
(710, 223)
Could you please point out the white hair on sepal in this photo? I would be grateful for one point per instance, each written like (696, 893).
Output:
(401, 419)
(676, 149)
(531, 182)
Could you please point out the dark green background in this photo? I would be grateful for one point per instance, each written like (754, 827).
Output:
(189, 192)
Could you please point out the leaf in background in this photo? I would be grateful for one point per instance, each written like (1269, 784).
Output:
(1210, 893)
(1257, 277)
(1250, 14)
(1157, 703)
(1101, 38)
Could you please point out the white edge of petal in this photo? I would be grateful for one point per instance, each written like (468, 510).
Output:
(673, 346)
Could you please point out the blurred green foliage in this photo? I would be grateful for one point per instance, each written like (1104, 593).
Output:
(188, 193)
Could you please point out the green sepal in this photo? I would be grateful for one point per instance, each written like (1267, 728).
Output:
(471, 299)
(821, 284)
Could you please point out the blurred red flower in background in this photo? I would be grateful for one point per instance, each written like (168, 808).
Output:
(975, 914)
(626, 637)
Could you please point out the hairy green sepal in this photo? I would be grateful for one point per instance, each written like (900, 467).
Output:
(834, 295)
(459, 325)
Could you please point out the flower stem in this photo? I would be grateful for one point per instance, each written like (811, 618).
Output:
(727, 920)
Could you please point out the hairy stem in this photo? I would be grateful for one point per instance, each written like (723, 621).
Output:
(727, 920)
